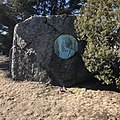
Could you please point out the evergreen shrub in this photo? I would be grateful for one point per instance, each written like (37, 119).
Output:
(99, 25)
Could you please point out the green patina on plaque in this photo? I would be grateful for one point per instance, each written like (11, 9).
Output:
(65, 46)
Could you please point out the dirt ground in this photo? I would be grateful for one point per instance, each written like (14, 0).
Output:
(34, 101)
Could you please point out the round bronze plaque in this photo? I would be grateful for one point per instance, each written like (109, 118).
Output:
(65, 46)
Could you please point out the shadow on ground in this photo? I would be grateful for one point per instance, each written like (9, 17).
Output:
(95, 84)
(4, 65)
(98, 85)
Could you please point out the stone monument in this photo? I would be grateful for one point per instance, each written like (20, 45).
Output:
(34, 53)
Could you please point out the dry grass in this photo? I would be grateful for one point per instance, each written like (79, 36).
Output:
(34, 101)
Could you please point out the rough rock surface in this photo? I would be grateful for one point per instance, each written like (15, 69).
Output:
(33, 45)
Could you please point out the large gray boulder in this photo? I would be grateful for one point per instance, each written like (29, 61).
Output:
(33, 57)
(33, 43)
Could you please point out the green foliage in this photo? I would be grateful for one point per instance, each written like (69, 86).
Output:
(24, 8)
(6, 20)
(47, 7)
(99, 25)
